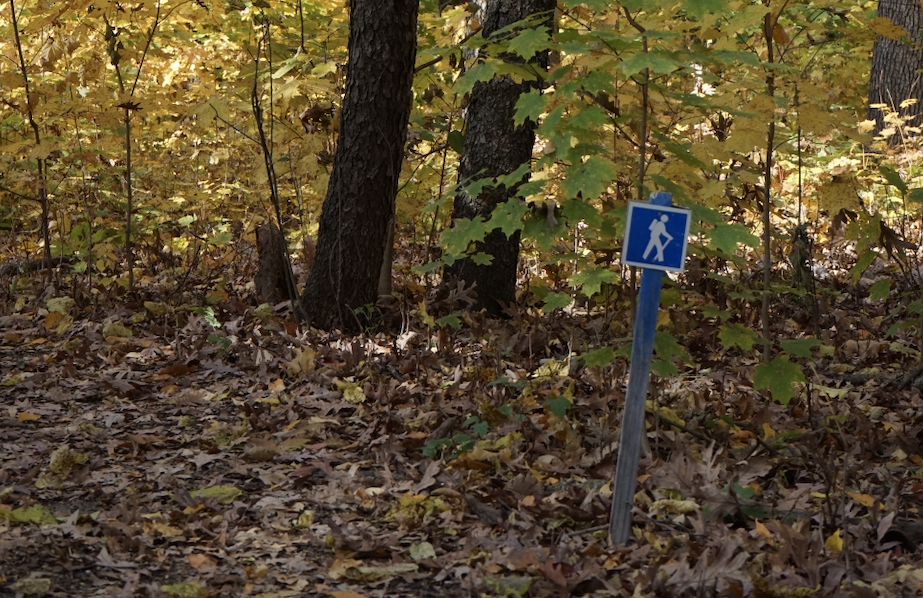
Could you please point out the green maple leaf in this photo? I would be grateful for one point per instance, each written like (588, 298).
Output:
(511, 179)
(663, 368)
(597, 81)
(529, 106)
(893, 177)
(666, 347)
(558, 406)
(452, 320)
(865, 260)
(457, 238)
(725, 237)
(658, 62)
(589, 178)
(529, 42)
(508, 216)
(484, 71)
(738, 335)
(880, 290)
(576, 211)
(598, 357)
(700, 8)
(592, 280)
(551, 120)
(555, 301)
(482, 259)
(531, 188)
(800, 347)
(589, 118)
(710, 311)
(706, 215)
(779, 377)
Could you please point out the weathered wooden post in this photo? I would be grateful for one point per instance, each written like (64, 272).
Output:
(655, 240)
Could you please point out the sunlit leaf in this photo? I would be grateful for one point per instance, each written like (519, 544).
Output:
(726, 237)
(893, 177)
(529, 42)
(655, 61)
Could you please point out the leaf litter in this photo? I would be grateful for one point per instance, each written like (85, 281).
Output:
(157, 450)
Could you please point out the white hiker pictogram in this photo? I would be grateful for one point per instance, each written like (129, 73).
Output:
(658, 228)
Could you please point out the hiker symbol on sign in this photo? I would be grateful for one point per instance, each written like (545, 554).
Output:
(655, 237)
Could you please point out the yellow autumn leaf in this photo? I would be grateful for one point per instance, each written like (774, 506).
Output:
(840, 192)
(768, 432)
(762, 530)
(815, 119)
(674, 506)
(834, 542)
(61, 305)
(199, 560)
(302, 362)
(884, 27)
(866, 126)
(352, 392)
(53, 319)
(25, 416)
(863, 499)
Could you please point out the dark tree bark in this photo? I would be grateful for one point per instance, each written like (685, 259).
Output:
(359, 204)
(494, 147)
(270, 283)
(896, 65)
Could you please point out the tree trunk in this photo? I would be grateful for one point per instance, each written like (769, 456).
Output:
(359, 205)
(895, 73)
(494, 147)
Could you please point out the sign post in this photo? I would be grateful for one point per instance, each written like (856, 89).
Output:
(655, 240)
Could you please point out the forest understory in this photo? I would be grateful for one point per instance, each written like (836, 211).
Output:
(164, 443)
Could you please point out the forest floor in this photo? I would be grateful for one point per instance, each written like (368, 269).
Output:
(152, 449)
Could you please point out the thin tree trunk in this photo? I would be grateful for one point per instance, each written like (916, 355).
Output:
(359, 205)
(494, 147)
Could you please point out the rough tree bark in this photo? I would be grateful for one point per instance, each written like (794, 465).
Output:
(896, 65)
(494, 147)
(359, 204)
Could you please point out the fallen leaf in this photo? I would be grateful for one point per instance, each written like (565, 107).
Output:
(834, 542)
(199, 560)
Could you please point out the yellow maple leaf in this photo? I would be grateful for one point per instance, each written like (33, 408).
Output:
(762, 530)
(834, 542)
(884, 27)
(863, 499)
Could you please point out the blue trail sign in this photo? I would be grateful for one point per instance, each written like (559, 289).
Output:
(655, 240)
(655, 237)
